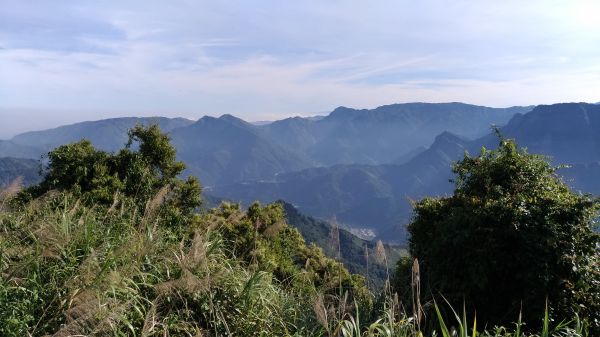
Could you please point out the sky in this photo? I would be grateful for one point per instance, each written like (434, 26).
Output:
(64, 61)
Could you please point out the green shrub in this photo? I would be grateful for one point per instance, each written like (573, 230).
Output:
(148, 175)
(111, 244)
(511, 236)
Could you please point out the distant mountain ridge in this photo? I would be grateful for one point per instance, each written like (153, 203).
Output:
(352, 136)
(289, 159)
(378, 196)
(227, 149)
(107, 134)
(13, 168)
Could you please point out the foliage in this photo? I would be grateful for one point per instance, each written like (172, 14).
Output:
(75, 261)
(511, 236)
(72, 269)
(394, 322)
(357, 255)
(92, 250)
(99, 177)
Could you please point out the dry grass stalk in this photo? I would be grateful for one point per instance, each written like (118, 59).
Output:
(112, 314)
(150, 321)
(88, 270)
(74, 208)
(192, 283)
(416, 292)
(381, 258)
(366, 256)
(12, 189)
(114, 204)
(153, 204)
(334, 239)
(342, 305)
(41, 201)
(82, 315)
(396, 303)
(307, 264)
(197, 253)
(274, 229)
(52, 239)
(188, 262)
(380, 255)
(321, 312)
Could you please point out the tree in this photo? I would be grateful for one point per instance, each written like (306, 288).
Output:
(98, 177)
(512, 236)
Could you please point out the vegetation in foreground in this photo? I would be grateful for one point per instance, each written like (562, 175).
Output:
(110, 244)
(511, 239)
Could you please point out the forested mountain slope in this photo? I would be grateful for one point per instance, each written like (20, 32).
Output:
(378, 196)
(227, 149)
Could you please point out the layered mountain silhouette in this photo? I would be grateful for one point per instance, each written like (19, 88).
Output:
(106, 134)
(378, 196)
(361, 167)
(351, 136)
(227, 149)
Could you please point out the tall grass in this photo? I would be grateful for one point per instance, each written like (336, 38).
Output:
(391, 324)
(68, 269)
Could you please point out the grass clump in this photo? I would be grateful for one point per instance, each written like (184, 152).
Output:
(68, 268)
(113, 245)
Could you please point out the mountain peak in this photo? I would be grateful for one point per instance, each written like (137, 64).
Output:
(342, 111)
(224, 119)
(447, 135)
(231, 118)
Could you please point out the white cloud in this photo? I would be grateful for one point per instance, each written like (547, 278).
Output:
(268, 59)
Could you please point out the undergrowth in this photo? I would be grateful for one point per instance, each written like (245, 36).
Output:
(69, 269)
(111, 244)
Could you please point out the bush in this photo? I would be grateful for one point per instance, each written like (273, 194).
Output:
(93, 250)
(148, 175)
(512, 236)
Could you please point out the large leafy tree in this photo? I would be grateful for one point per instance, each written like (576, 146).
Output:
(512, 236)
(144, 172)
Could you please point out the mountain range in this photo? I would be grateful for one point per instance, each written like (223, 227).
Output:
(227, 149)
(360, 167)
(378, 196)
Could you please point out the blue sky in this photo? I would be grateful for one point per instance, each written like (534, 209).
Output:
(66, 61)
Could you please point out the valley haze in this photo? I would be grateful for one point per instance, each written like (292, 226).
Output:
(360, 167)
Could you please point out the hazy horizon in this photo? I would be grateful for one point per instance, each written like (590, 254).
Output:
(63, 62)
(13, 125)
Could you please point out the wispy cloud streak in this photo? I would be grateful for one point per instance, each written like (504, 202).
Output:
(265, 60)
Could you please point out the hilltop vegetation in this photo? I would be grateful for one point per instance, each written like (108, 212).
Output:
(113, 244)
(378, 196)
(227, 150)
(512, 239)
(357, 255)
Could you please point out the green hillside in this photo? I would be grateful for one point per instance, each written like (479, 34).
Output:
(27, 170)
(355, 253)
(112, 244)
